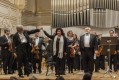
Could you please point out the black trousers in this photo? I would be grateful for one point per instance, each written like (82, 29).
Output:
(97, 64)
(22, 58)
(70, 62)
(39, 61)
(35, 61)
(113, 61)
(7, 60)
(102, 62)
(14, 66)
(78, 62)
(59, 67)
(88, 59)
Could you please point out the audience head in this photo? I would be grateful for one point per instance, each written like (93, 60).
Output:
(59, 32)
(20, 28)
(87, 76)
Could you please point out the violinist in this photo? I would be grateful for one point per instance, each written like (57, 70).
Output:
(5, 44)
(37, 53)
(71, 51)
(101, 56)
(113, 57)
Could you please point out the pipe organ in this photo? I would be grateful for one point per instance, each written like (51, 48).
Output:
(97, 13)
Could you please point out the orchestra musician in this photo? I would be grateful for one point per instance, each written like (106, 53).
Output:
(77, 59)
(70, 51)
(101, 56)
(117, 50)
(6, 48)
(21, 41)
(14, 56)
(88, 47)
(113, 57)
(96, 56)
(38, 42)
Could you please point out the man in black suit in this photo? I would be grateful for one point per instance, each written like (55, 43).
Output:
(113, 56)
(117, 50)
(88, 47)
(21, 42)
(38, 42)
(5, 51)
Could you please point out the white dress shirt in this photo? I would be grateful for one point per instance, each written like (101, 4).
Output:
(8, 38)
(87, 40)
(23, 38)
(36, 41)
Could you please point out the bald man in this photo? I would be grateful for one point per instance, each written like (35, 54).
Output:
(88, 47)
(21, 41)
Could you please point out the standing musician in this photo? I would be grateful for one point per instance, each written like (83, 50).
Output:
(6, 48)
(21, 42)
(70, 51)
(117, 50)
(37, 52)
(97, 56)
(101, 56)
(77, 59)
(88, 47)
(113, 57)
(14, 56)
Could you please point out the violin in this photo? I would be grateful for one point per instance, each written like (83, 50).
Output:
(35, 50)
(72, 50)
(99, 51)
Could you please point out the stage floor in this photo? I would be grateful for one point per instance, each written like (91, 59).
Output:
(77, 75)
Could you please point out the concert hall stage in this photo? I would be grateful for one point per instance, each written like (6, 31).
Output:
(75, 76)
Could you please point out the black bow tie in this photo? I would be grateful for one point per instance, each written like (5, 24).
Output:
(87, 34)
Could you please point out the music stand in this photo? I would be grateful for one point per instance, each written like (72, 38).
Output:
(109, 46)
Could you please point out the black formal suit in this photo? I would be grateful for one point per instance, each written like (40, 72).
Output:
(39, 61)
(60, 63)
(117, 46)
(88, 53)
(98, 60)
(117, 55)
(22, 51)
(6, 54)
